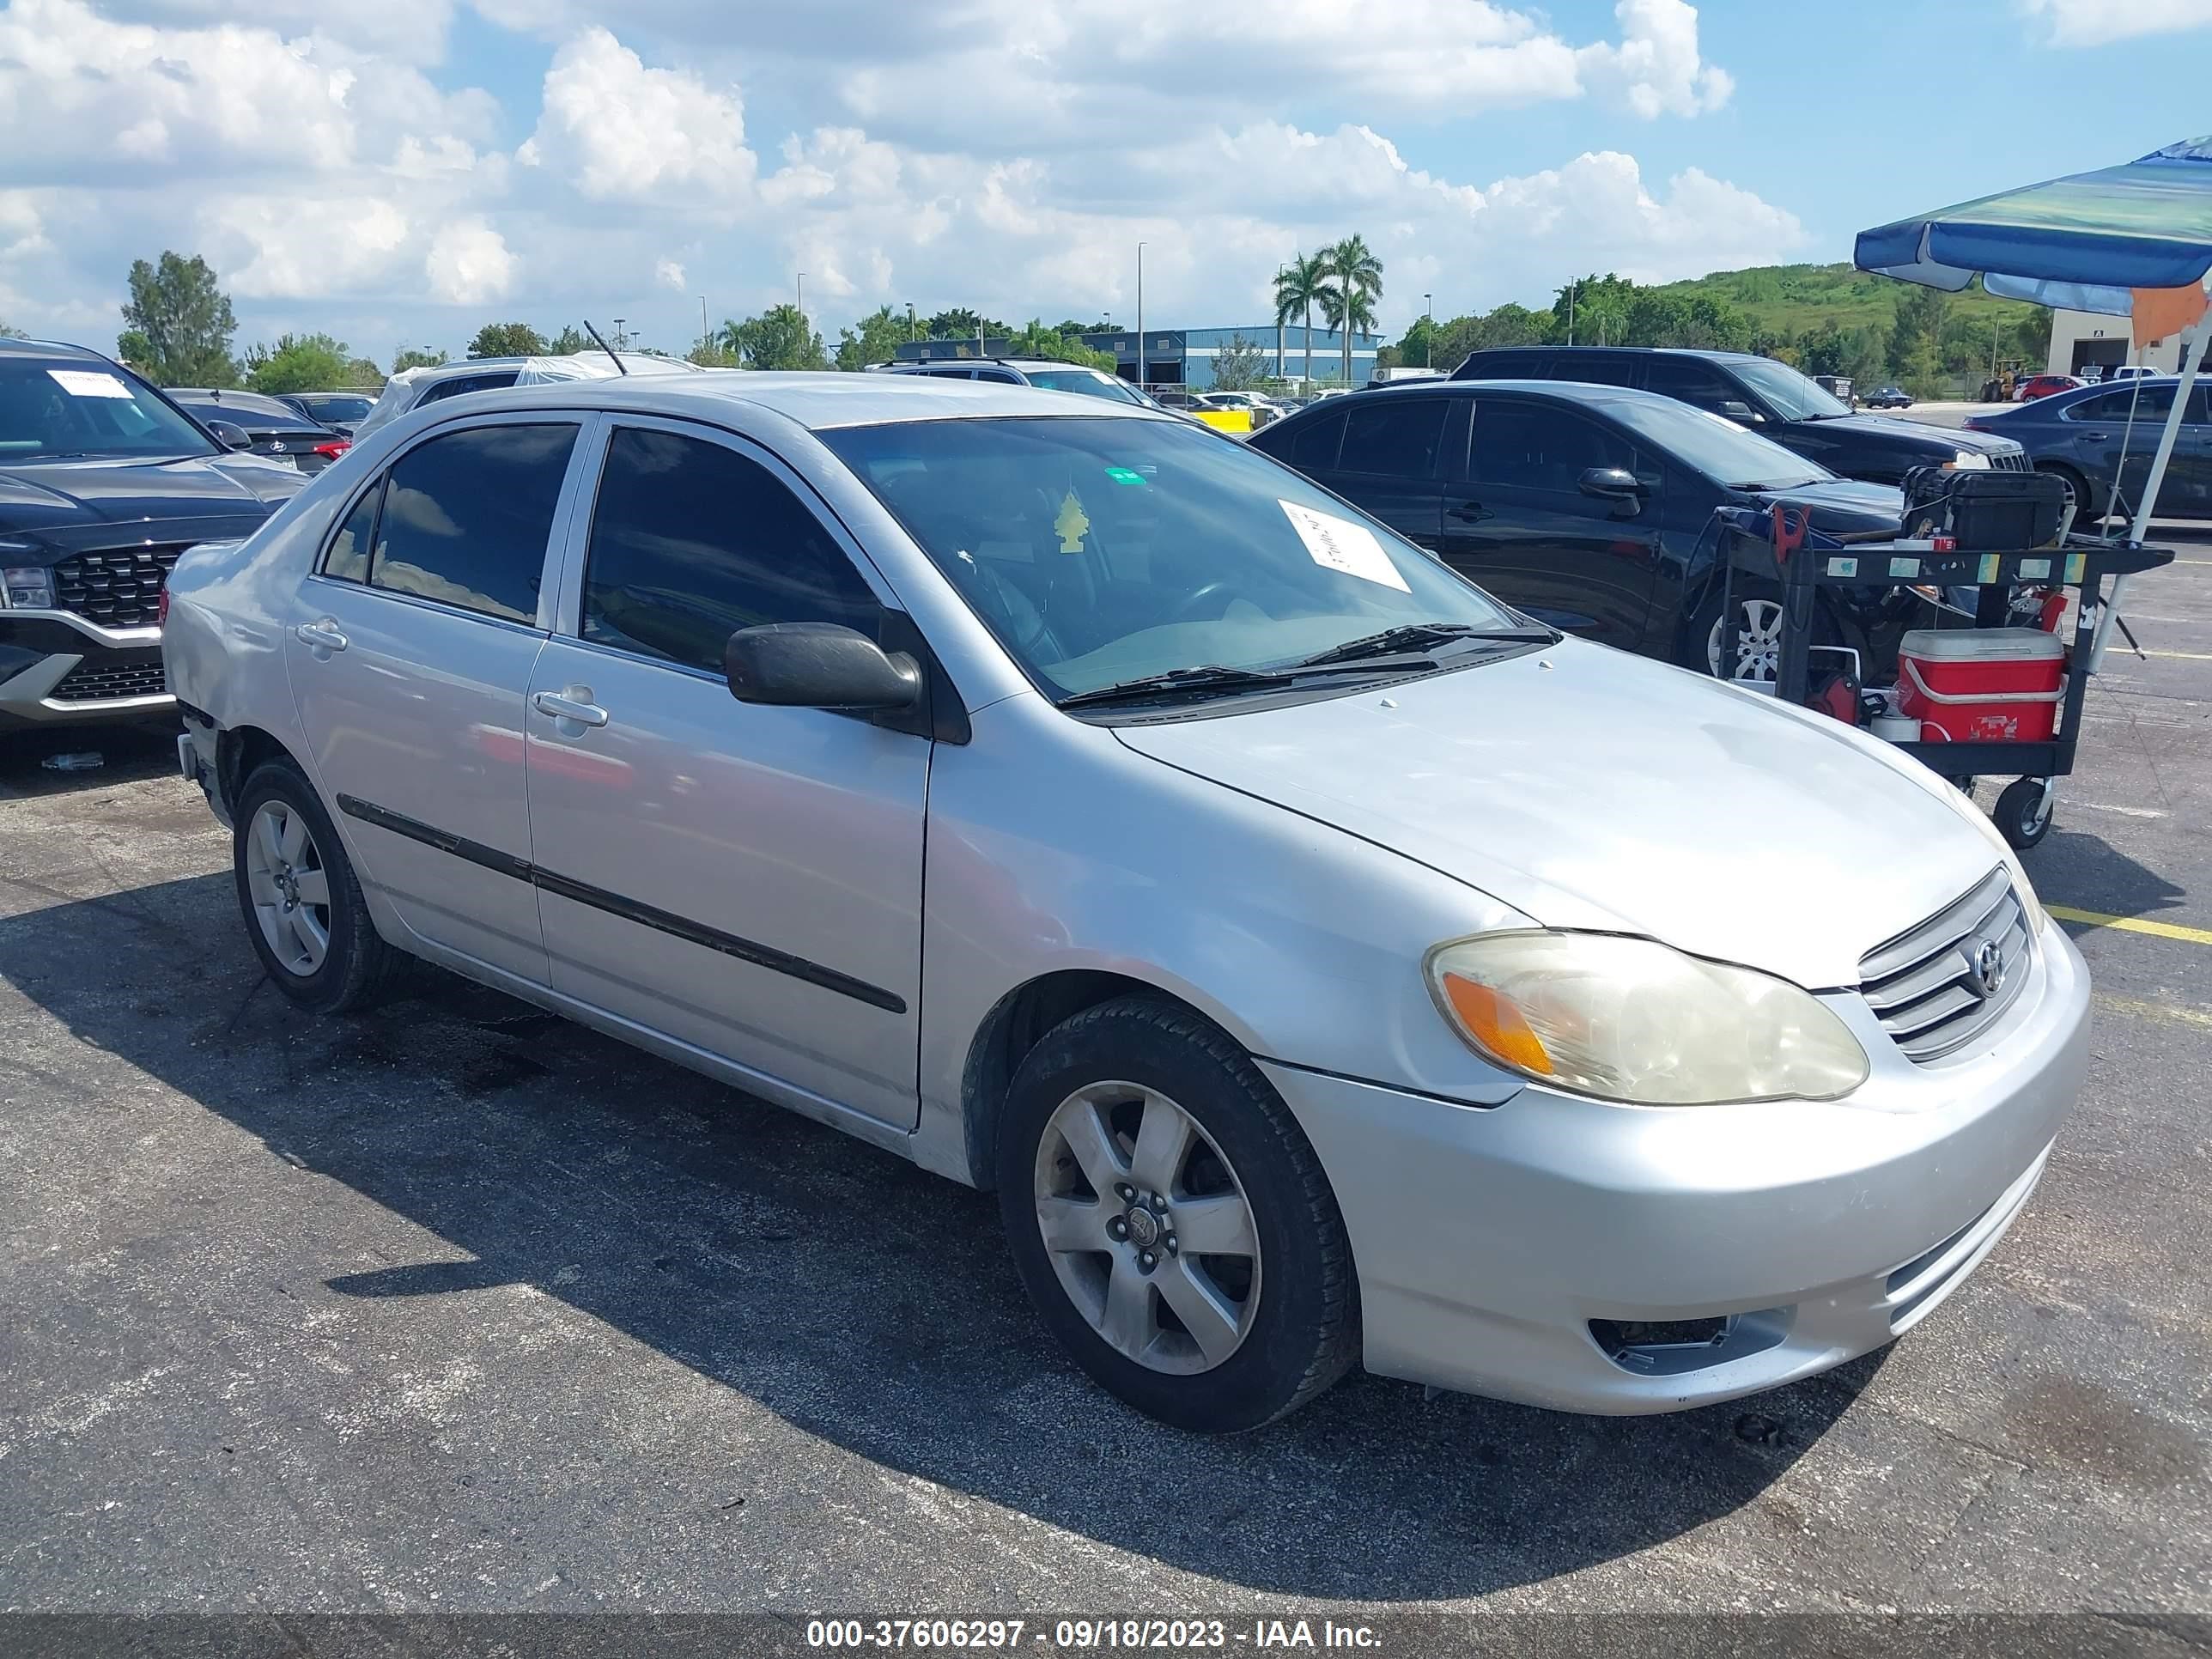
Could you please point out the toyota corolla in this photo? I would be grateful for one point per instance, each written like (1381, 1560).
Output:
(1324, 964)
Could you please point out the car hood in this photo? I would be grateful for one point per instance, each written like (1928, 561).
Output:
(1844, 504)
(1891, 430)
(72, 504)
(1590, 789)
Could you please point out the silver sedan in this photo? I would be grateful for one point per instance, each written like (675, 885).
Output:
(1324, 964)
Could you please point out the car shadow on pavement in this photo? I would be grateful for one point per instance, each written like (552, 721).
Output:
(127, 755)
(862, 1300)
(2075, 867)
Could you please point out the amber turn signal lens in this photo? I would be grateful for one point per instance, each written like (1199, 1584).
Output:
(1497, 1024)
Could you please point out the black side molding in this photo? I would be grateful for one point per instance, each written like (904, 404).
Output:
(664, 921)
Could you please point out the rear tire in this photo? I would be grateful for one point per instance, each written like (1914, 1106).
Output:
(302, 906)
(1759, 644)
(2084, 505)
(1137, 1133)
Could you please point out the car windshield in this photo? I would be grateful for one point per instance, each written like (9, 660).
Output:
(1789, 393)
(1101, 549)
(1720, 449)
(58, 407)
(1082, 383)
(336, 408)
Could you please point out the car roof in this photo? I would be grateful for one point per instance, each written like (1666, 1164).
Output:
(11, 347)
(1570, 391)
(1651, 351)
(233, 397)
(819, 401)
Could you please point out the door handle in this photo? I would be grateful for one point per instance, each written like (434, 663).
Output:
(1469, 512)
(574, 706)
(2098, 437)
(322, 636)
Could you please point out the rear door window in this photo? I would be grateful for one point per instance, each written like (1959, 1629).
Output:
(1315, 447)
(1393, 436)
(467, 515)
(1596, 368)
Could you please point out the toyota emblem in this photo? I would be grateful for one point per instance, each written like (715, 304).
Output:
(1986, 969)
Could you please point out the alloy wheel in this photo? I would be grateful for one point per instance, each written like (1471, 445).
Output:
(1147, 1228)
(1758, 642)
(290, 889)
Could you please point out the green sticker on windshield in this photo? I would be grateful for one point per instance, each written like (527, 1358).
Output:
(1125, 475)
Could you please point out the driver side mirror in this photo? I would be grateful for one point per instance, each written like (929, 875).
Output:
(229, 436)
(1736, 409)
(818, 665)
(1613, 483)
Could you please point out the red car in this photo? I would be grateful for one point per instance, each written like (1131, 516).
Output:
(2042, 386)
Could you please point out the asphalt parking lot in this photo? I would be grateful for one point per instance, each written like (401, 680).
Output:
(460, 1307)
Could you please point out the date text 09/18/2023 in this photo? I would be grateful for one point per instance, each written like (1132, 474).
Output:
(1085, 1635)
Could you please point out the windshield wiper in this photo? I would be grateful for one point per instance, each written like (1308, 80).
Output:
(1414, 636)
(1211, 677)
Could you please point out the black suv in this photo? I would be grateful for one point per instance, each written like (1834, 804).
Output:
(1771, 397)
(103, 483)
(1589, 507)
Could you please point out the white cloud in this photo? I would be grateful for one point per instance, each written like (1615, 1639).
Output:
(1655, 70)
(469, 264)
(669, 274)
(2092, 22)
(275, 247)
(623, 130)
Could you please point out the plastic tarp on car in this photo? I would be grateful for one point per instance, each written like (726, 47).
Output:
(2119, 241)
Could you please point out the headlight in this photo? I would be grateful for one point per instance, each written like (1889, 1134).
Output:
(30, 588)
(1969, 460)
(1629, 1020)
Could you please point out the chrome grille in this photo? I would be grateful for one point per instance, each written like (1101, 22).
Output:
(116, 588)
(2015, 461)
(1925, 985)
(97, 682)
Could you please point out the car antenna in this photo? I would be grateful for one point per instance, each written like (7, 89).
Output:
(594, 333)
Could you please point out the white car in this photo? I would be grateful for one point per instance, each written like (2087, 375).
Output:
(412, 387)
(1324, 964)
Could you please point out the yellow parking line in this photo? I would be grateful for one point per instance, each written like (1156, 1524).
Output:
(2152, 1011)
(2130, 924)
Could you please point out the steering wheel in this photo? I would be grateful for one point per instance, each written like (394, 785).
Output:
(1188, 609)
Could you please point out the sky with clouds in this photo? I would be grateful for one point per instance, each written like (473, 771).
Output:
(399, 171)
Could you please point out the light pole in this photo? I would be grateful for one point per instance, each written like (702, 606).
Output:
(802, 313)
(911, 335)
(1140, 314)
(619, 321)
(705, 334)
(1429, 334)
(1571, 309)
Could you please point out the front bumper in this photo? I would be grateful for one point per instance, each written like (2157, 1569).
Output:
(57, 667)
(1798, 1233)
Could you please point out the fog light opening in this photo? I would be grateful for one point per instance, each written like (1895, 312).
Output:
(1671, 1347)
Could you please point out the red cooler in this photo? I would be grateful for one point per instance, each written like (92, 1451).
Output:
(1981, 684)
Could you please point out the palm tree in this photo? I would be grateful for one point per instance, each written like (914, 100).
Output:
(1355, 276)
(1299, 286)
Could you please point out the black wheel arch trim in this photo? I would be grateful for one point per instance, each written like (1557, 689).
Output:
(615, 904)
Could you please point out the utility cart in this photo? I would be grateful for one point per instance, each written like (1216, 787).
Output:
(1776, 547)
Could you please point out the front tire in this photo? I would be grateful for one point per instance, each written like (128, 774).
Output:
(1170, 1223)
(303, 907)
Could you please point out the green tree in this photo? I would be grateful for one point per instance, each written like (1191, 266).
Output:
(8, 333)
(508, 340)
(2032, 335)
(712, 356)
(778, 338)
(1355, 283)
(1299, 286)
(568, 342)
(961, 324)
(359, 371)
(1055, 346)
(876, 340)
(178, 323)
(1240, 366)
(1602, 318)
(299, 362)
(1570, 303)
(1916, 339)
(415, 357)
(1417, 346)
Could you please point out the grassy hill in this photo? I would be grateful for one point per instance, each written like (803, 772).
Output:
(1796, 301)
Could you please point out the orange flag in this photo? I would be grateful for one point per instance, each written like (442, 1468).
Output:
(2159, 312)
